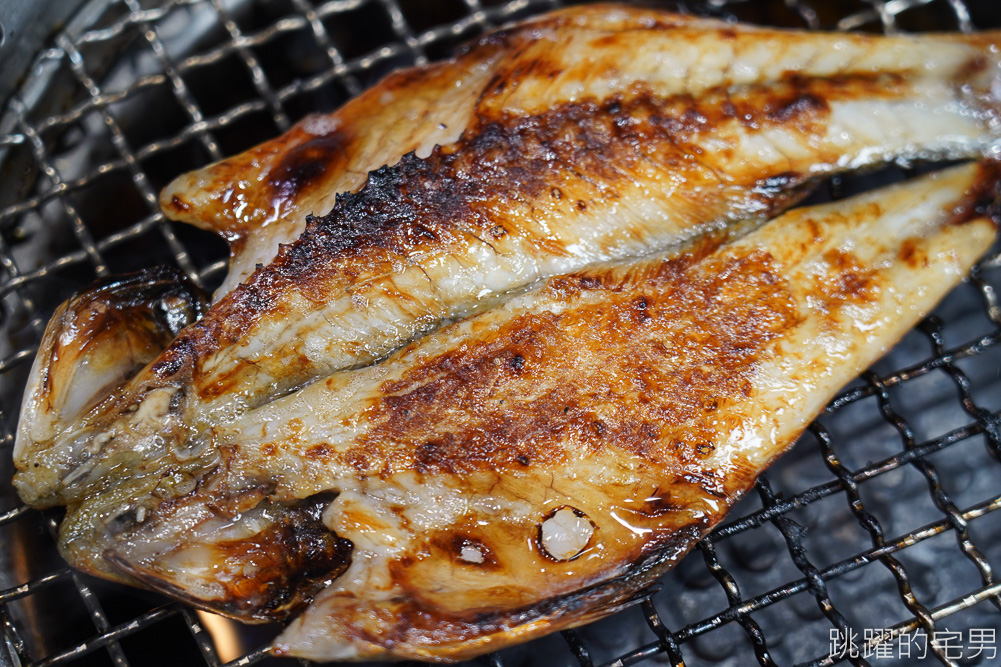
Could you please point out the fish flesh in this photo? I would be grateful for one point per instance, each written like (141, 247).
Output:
(587, 136)
(532, 467)
(601, 133)
(724, 93)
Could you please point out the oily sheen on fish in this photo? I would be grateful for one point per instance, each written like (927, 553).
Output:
(532, 467)
(601, 133)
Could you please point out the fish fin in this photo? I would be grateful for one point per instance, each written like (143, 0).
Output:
(263, 565)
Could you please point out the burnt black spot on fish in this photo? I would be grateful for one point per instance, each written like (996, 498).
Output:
(423, 232)
(168, 365)
(497, 85)
(641, 311)
(304, 164)
(801, 105)
(179, 204)
(517, 362)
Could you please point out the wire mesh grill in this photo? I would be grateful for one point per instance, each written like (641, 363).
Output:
(881, 518)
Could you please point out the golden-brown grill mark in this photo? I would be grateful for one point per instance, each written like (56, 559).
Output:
(419, 203)
(305, 164)
(320, 451)
(847, 281)
(541, 386)
(912, 254)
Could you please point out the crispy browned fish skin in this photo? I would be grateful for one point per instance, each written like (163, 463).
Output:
(261, 198)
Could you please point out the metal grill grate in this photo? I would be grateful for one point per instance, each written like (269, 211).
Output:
(882, 517)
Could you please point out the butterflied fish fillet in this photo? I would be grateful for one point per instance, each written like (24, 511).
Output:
(588, 135)
(532, 467)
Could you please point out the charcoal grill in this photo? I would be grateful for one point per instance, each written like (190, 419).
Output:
(881, 523)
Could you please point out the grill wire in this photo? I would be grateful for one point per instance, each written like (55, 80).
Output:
(882, 517)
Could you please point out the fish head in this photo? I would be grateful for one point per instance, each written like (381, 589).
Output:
(94, 344)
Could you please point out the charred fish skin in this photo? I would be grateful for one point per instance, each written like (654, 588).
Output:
(769, 327)
(531, 467)
(260, 199)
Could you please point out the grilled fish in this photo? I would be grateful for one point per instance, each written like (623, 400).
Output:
(532, 467)
(588, 135)
(572, 140)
